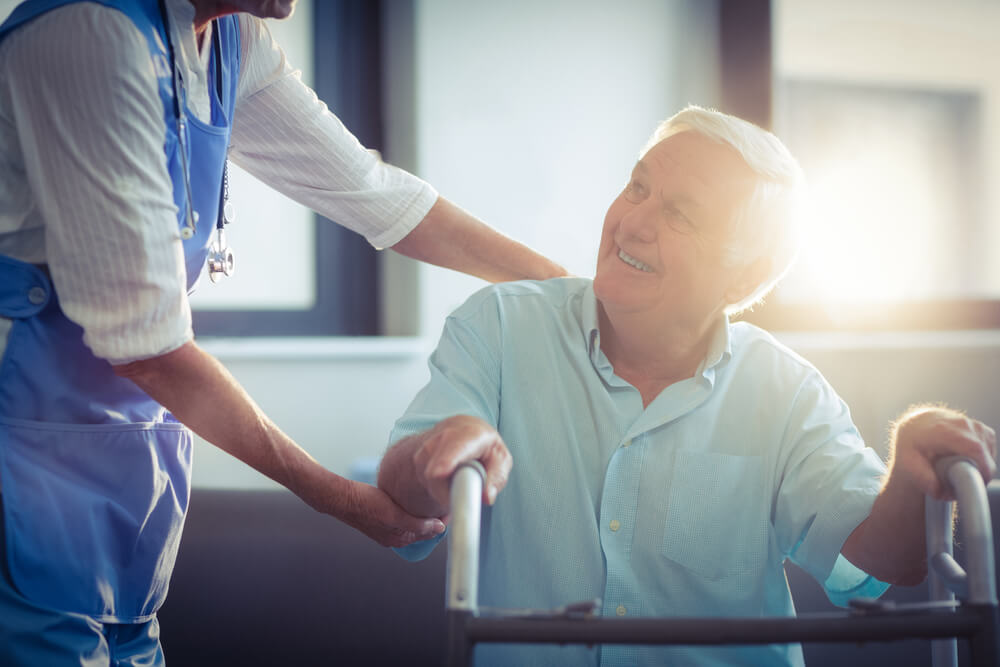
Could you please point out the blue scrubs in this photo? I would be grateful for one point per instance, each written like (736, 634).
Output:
(94, 474)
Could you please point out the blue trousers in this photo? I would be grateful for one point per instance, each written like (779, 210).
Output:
(32, 635)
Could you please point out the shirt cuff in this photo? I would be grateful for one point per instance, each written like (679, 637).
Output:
(847, 582)
(420, 550)
(411, 217)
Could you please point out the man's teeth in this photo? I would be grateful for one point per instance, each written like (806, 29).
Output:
(629, 259)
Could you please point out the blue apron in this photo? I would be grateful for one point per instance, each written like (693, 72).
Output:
(94, 474)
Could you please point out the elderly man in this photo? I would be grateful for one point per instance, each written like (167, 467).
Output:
(667, 460)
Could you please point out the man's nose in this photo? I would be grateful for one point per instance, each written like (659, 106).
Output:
(639, 223)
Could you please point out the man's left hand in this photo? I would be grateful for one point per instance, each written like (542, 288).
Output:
(927, 433)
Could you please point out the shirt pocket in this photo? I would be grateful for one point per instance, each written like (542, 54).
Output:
(717, 514)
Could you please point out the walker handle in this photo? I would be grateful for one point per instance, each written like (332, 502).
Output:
(978, 584)
(946, 578)
(463, 539)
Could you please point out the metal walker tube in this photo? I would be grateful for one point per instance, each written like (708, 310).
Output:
(462, 594)
(975, 619)
(946, 578)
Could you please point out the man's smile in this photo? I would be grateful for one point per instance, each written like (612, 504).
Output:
(632, 261)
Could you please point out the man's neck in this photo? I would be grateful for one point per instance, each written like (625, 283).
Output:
(652, 357)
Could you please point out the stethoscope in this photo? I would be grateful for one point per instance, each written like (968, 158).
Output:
(221, 260)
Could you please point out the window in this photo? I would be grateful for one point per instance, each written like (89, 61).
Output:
(890, 109)
(297, 274)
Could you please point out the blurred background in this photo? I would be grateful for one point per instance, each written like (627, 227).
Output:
(531, 115)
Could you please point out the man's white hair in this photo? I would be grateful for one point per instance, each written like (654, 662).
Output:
(766, 224)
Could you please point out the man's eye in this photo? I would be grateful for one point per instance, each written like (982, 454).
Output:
(676, 219)
(635, 191)
(674, 214)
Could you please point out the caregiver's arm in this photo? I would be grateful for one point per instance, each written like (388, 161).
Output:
(890, 543)
(450, 237)
(202, 394)
(416, 471)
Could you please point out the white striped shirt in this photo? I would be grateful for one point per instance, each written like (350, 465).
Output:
(84, 186)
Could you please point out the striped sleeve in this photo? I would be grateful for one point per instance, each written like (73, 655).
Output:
(286, 137)
(89, 120)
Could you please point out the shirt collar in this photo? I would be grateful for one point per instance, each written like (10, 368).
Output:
(182, 23)
(720, 348)
(591, 329)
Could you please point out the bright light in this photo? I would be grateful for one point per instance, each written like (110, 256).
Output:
(870, 233)
(891, 205)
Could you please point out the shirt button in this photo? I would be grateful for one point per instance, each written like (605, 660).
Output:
(36, 295)
(615, 525)
(627, 443)
(621, 611)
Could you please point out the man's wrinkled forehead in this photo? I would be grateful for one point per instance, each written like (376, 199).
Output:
(708, 169)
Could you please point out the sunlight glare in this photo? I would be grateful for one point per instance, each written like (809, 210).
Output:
(869, 232)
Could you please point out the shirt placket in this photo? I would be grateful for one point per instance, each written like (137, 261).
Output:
(619, 504)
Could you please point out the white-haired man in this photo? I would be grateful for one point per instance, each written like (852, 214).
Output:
(667, 460)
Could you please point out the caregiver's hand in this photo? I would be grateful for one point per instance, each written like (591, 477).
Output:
(416, 472)
(369, 510)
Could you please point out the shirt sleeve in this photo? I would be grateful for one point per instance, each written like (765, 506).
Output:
(84, 100)
(286, 137)
(830, 480)
(465, 380)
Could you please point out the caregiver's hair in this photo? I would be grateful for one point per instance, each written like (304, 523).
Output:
(766, 225)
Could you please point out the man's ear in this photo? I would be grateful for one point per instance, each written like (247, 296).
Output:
(748, 279)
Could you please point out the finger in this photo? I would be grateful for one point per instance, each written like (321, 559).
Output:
(979, 446)
(988, 438)
(467, 444)
(407, 530)
(498, 462)
(419, 530)
(464, 444)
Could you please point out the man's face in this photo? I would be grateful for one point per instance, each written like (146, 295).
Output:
(661, 250)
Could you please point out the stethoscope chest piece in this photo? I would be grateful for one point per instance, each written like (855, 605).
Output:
(221, 260)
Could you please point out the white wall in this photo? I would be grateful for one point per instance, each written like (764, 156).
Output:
(528, 114)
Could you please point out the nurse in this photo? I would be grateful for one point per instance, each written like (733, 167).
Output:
(116, 119)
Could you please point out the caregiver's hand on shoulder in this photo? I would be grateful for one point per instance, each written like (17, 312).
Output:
(454, 441)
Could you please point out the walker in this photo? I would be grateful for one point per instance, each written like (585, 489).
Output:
(973, 617)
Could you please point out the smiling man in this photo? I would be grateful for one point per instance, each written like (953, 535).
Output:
(664, 459)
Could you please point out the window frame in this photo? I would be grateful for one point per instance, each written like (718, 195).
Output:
(747, 90)
(348, 77)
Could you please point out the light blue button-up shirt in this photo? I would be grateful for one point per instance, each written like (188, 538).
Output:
(688, 507)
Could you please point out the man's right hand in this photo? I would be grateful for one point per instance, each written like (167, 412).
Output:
(416, 472)
(454, 441)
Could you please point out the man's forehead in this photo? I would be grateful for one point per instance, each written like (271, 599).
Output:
(699, 165)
